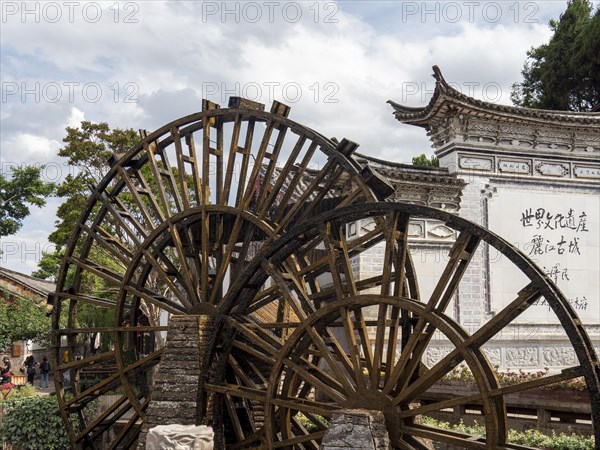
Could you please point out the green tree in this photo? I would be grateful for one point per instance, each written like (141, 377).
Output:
(25, 187)
(423, 161)
(87, 148)
(564, 74)
(22, 319)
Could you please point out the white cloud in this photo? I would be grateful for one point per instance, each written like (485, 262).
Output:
(76, 117)
(157, 67)
(29, 148)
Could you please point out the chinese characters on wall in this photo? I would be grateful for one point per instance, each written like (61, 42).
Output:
(560, 232)
(568, 225)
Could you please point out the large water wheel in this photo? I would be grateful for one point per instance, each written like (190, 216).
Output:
(246, 215)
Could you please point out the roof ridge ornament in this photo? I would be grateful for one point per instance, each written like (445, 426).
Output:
(445, 98)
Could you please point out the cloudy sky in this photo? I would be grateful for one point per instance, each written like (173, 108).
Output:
(143, 64)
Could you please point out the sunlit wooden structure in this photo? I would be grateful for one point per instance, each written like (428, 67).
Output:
(245, 216)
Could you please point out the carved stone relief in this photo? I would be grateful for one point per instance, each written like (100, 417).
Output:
(435, 355)
(586, 172)
(494, 356)
(416, 229)
(514, 166)
(476, 163)
(558, 356)
(518, 357)
(552, 169)
(441, 231)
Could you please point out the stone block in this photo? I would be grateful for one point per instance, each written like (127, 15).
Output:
(356, 429)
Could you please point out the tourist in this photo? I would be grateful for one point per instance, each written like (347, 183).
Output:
(66, 373)
(30, 368)
(5, 370)
(44, 371)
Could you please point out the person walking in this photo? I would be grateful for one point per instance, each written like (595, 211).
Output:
(5, 370)
(30, 368)
(44, 371)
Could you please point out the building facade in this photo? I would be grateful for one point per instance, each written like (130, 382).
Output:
(533, 178)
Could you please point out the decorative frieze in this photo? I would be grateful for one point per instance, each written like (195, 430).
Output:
(585, 171)
(550, 169)
(416, 229)
(441, 231)
(514, 166)
(522, 357)
(476, 163)
(501, 165)
(558, 356)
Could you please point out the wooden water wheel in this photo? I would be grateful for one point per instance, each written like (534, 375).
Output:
(361, 342)
(245, 215)
(166, 231)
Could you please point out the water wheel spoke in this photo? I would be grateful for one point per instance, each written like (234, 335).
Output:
(235, 390)
(255, 352)
(392, 343)
(91, 299)
(252, 182)
(308, 209)
(163, 273)
(155, 299)
(355, 247)
(565, 375)
(283, 182)
(304, 405)
(350, 334)
(127, 434)
(142, 204)
(151, 149)
(284, 214)
(88, 360)
(305, 438)
(394, 256)
(231, 161)
(316, 377)
(105, 419)
(437, 406)
(94, 391)
(334, 364)
(245, 151)
(184, 269)
(299, 303)
(123, 218)
(265, 349)
(250, 441)
(224, 259)
(266, 191)
(109, 243)
(106, 273)
(433, 375)
(411, 443)
(234, 418)
(525, 298)
(444, 436)
(293, 185)
(460, 255)
(394, 261)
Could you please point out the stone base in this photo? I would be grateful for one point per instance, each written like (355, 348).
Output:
(176, 381)
(356, 429)
(180, 437)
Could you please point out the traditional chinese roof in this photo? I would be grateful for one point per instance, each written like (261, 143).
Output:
(428, 186)
(456, 121)
(20, 284)
(447, 99)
